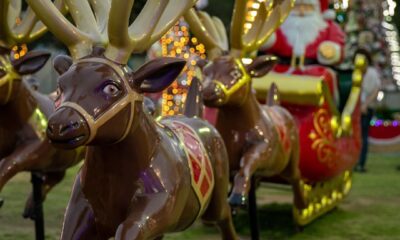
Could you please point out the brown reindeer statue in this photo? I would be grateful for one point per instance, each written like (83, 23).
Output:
(261, 140)
(141, 178)
(23, 111)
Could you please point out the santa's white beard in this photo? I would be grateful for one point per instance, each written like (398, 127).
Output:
(302, 30)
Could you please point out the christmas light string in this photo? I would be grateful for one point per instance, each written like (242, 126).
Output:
(178, 43)
(384, 123)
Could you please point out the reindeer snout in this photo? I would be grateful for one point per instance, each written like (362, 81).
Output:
(67, 129)
(212, 94)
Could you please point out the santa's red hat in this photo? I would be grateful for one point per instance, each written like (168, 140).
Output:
(324, 5)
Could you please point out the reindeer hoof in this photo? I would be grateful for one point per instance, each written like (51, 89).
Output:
(29, 210)
(238, 200)
(1, 202)
(28, 214)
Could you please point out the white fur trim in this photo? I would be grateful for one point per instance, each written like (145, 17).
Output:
(381, 142)
(269, 43)
(329, 14)
(336, 58)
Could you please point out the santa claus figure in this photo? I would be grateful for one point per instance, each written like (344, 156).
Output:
(308, 39)
(309, 33)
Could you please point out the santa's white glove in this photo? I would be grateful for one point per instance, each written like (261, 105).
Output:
(329, 53)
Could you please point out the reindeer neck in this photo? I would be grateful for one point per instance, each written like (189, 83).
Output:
(20, 107)
(120, 165)
(246, 115)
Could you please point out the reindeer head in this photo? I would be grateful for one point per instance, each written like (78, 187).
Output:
(11, 71)
(16, 28)
(99, 96)
(226, 78)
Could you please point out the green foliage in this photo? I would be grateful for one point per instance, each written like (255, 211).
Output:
(370, 212)
(396, 18)
(222, 9)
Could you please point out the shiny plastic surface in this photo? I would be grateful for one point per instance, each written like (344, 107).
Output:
(140, 178)
(330, 141)
(23, 119)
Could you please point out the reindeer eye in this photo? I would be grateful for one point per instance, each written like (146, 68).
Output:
(111, 89)
(58, 92)
(57, 98)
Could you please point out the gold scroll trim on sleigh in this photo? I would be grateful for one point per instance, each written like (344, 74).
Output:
(323, 138)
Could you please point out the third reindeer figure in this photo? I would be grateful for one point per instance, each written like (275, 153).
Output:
(24, 111)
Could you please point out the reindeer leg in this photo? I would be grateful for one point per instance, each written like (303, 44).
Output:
(252, 160)
(292, 175)
(218, 210)
(153, 214)
(23, 158)
(50, 180)
(79, 220)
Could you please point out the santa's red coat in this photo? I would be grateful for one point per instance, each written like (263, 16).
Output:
(332, 32)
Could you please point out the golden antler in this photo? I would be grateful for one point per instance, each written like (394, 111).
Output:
(210, 31)
(268, 17)
(155, 19)
(93, 16)
(286, 7)
(90, 17)
(21, 27)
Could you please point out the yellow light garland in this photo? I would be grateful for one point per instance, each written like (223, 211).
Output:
(18, 51)
(179, 43)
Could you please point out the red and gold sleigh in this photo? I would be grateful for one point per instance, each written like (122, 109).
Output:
(330, 140)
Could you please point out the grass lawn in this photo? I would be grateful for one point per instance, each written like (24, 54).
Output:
(372, 211)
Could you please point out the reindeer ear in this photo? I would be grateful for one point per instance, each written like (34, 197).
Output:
(261, 65)
(32, 62)
(157, 74)
(62, 63)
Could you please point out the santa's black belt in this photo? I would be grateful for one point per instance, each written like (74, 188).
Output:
(288, 61)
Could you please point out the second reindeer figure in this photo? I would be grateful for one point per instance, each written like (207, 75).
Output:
(262, 141)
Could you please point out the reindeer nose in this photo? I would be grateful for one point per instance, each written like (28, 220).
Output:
(62, 129)
(212, 92)
(209, 90)
(66, 126)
